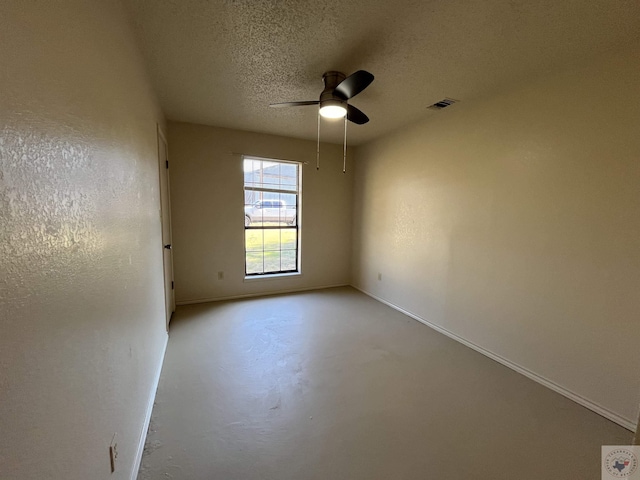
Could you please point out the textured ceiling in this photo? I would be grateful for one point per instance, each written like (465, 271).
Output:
(221, 63)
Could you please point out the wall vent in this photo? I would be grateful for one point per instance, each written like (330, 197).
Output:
(442, 104)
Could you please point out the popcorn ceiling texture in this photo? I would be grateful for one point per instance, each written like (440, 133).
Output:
(221, 63)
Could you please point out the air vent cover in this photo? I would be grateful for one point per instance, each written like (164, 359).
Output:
(442, 104)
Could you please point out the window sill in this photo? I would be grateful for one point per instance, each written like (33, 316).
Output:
(273, 276)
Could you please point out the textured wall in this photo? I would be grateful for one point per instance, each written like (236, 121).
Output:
(514, 222)
(80, 258)
(206, 205)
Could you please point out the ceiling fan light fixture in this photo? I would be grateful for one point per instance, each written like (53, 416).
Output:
(333, 102)
(333, 109)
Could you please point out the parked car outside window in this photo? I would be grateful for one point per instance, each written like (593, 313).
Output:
(269, 211)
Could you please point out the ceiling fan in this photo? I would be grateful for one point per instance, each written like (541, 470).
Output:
(334, 103)
(338, 90)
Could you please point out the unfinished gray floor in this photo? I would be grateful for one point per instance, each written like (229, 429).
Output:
(334, 385)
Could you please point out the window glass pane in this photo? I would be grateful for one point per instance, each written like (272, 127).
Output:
(254, 240)
(289, 199)
(272, 261)
(292, 217)
(254, 262)
(271, 175)
(272, 239)
(289, 260)
(289, 238)
(289, 176)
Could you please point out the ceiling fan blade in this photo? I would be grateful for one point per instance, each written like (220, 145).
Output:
(294, 104)
(356, 116)
(354, 84)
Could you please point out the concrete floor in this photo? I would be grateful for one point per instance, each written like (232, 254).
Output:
(334, 385)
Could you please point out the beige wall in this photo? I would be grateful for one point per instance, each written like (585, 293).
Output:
(514, 222)
(81, 295)
(207, 204)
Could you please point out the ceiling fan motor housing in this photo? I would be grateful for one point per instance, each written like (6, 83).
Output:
(328, 97)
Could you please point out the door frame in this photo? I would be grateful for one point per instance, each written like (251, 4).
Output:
(165, 217)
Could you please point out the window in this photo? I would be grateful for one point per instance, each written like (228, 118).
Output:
(271, 216)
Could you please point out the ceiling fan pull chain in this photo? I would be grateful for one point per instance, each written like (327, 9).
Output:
(344, 159)
(318, 147)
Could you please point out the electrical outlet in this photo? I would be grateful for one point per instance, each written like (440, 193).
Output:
(379, 276)
(113, 453)
(220, 275)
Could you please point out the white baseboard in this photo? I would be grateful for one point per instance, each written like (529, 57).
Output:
(593, 406)
(147, 418)
(259, 294)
